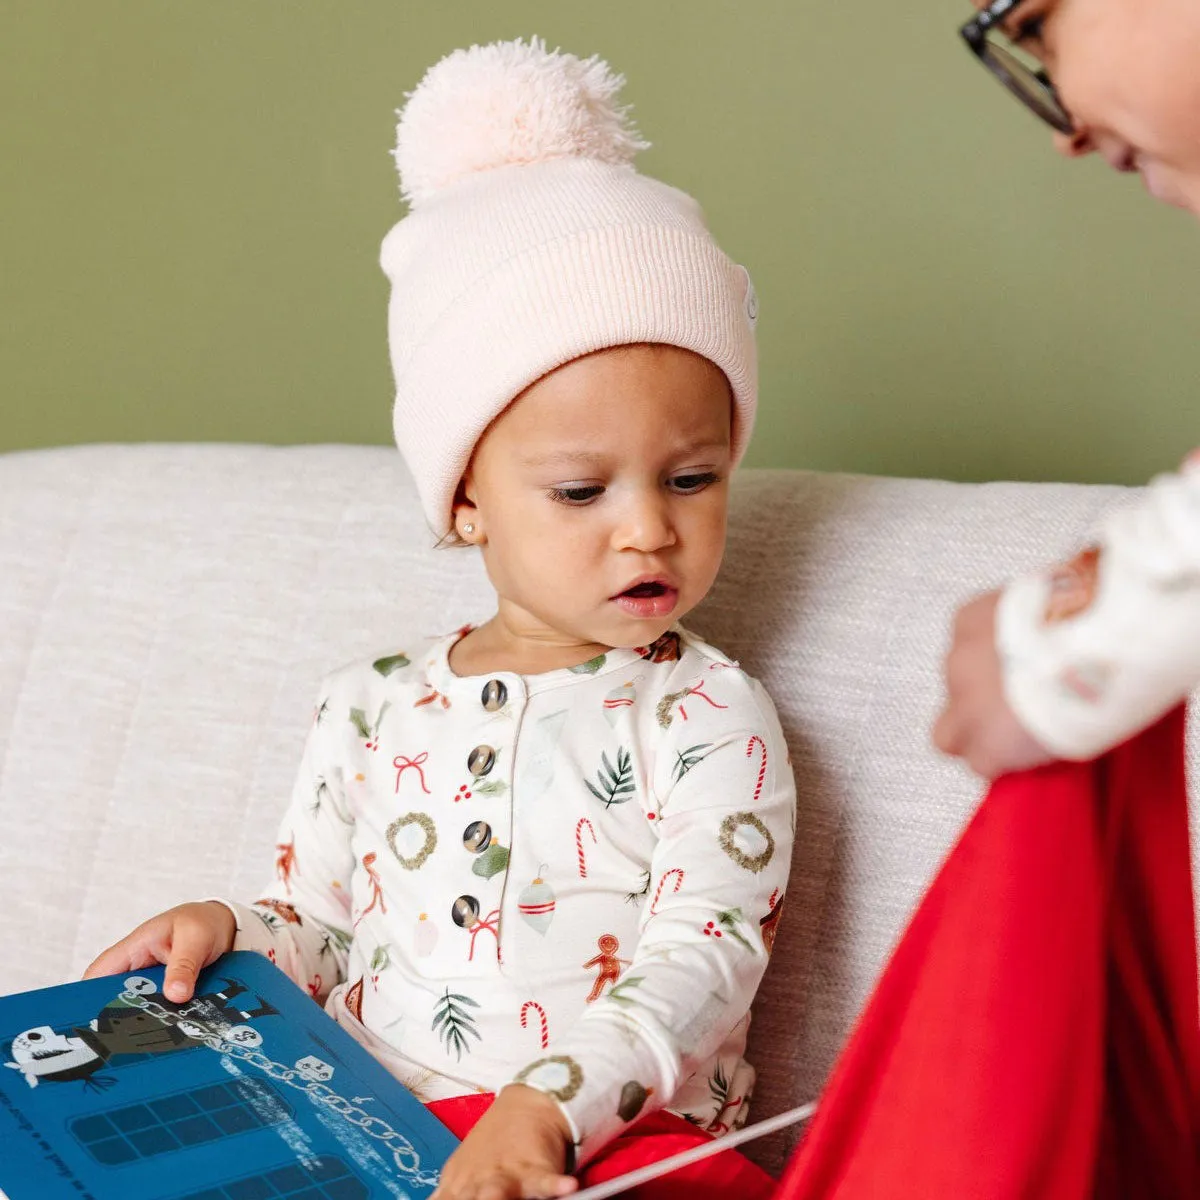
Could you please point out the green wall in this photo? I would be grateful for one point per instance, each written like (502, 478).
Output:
(193, 196)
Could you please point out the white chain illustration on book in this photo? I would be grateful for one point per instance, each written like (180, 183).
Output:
(242, 1042)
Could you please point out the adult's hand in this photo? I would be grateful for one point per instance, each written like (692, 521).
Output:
(977, 724)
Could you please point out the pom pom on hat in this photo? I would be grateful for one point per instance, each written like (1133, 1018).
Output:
(504, 104)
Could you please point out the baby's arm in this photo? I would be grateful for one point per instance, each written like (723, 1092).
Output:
(717, 879)
(303, 921)
(1071, 662)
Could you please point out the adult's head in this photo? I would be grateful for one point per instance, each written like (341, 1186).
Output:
(1127, 75)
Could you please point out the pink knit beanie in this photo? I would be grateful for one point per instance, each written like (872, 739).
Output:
(531, 241)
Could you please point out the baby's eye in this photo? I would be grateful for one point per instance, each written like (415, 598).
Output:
(692, 481)
(575, 494)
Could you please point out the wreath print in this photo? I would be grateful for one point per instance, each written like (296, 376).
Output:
(729, 828)
(569, 1089)
(416, 861)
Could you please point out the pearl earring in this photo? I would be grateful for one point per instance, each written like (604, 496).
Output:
(468, 528)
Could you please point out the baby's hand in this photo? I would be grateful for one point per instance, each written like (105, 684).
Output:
(186, 938)
(517, 1151)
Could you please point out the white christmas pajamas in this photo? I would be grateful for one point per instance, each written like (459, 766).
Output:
(570, 880)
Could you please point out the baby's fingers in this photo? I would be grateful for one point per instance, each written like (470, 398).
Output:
(126, 955)
(192, 947)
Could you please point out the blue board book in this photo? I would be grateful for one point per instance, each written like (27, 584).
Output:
(109, 1091)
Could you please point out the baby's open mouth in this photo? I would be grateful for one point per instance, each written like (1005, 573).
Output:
(650, 598)
(645, 590)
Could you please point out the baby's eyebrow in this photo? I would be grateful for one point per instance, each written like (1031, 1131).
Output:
(585, 457)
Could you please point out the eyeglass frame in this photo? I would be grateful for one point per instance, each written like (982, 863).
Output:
(975, 33)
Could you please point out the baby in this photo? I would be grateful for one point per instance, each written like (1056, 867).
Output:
(543, 857)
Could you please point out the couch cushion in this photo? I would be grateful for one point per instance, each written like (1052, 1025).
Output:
(168, 611)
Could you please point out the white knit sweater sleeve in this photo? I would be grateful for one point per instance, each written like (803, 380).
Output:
(1097, 650)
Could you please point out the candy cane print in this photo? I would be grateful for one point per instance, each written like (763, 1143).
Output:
(541, 1012)
(579, 844)
(675, 873)
(762, 769)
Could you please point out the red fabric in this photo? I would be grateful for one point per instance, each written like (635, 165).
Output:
(1036, 1034)
(652, 1138)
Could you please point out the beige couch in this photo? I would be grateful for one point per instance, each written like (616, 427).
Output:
(166, 613)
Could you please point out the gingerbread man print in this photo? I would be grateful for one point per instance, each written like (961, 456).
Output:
(608, 962)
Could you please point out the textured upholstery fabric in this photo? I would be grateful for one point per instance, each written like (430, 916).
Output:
(166, 613)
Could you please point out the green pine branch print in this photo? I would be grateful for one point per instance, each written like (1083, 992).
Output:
(688, 758)
(455, 1022)
(616, 783)
(644, 890)
(718, 1088)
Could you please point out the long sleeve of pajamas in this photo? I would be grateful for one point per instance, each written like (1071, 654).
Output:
(1099, 649)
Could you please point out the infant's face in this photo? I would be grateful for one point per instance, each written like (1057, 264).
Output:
(601, 494)
(1128, 72)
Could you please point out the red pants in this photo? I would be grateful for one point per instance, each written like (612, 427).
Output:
(1036, 1035)
(652, 1138)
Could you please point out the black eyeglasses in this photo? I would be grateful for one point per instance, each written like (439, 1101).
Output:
(1027, 81)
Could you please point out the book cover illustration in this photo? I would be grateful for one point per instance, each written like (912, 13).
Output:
(249, 1091)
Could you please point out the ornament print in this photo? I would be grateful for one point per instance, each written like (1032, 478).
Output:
(538, 766)
(425, 936)
(536, 903)
(620, 697)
